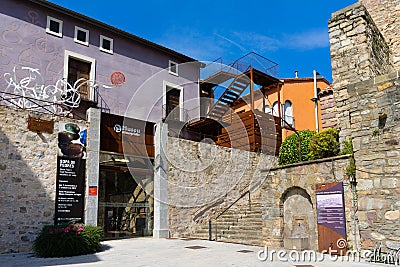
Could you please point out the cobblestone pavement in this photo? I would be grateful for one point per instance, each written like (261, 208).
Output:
(172, 252)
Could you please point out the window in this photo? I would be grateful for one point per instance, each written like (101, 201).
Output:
(267, 109)
(288, 113)
(54, 26)
(78, 66)
(81, 36)
(275, 109)
(173, 102)
(173, 67)
(106, 44)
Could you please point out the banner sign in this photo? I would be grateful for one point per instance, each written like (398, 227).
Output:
(71, 169)
(331, 217)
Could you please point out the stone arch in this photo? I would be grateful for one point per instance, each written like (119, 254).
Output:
(298, 220)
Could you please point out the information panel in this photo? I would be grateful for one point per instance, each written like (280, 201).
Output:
(71, 166)
(331, 217)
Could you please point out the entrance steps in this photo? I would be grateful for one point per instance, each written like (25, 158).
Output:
(239, 225)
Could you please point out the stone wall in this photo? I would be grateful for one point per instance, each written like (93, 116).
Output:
(28, 166)
(386, 15)
(208, 178)
(358, 49)
(358, 53)
(204, 179)
(372, 109)
(328, 109)
(299, 180)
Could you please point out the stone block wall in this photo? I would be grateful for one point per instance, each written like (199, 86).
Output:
(28, 166)
(358, 53)
(204, 179)
(372, 109)
(386, 15)
(300, 178)
(358, 49)
(328, 109)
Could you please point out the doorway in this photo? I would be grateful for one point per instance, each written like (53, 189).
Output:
(125, 198)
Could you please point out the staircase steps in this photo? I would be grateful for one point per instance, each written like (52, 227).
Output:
(228, 97)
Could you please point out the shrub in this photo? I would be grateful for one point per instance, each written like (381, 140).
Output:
(67, 240)
(325, 144)
(347, 147)
(289, 152)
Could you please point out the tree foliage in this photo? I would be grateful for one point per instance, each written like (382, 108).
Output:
(325, 144)
(289, 150)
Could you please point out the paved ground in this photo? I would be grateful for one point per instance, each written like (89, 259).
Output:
(171, 252)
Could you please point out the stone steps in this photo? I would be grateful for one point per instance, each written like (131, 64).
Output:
(242, 226)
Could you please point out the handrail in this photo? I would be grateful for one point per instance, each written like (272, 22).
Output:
(233, 203)
(219, 215)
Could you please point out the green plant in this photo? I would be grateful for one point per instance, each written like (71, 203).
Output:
(347, 147)
(351, 168)
(289, 150)
(375, 132)
(67, 240)
(325, 144)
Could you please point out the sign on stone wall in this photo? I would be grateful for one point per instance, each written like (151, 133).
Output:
(331, 218)
(71, 166)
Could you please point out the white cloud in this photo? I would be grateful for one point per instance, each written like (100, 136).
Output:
(297, 41)
(208, 46)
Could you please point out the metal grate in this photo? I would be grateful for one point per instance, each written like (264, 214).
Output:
(195, 247)
(245, 251)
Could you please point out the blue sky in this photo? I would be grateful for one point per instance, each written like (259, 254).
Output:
(294, 34)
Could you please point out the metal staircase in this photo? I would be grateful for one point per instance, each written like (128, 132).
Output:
(234, 78)
(228, 97)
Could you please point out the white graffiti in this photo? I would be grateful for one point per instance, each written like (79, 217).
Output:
(26, 89)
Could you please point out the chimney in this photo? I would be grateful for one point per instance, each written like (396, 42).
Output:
(296, 74)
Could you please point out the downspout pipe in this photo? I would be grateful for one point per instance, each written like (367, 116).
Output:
(315, 99)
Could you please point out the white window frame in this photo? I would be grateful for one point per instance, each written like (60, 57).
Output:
(92, 73)
(170, 63)
(76, 36)
(168, 84)
(60, 33)
(111, 51)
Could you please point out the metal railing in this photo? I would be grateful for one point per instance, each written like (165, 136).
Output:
(223, 212)
(34, 104)
(240, 65)
(99, 100)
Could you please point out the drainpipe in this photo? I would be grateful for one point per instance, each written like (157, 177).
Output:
(315, 100)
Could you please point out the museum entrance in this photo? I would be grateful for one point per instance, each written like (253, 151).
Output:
(125, 199)
(125, 192)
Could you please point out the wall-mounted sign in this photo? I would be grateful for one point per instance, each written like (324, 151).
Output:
(71, 169)
(331, 218)
(117, 78)
(126, 130)
(126, 135)
(92, 190)
(39, 125)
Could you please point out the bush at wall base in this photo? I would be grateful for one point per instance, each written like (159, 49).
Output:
(70, 239)
(289, 150)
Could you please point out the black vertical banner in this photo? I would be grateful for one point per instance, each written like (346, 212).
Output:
(71, 173)
(70, 192)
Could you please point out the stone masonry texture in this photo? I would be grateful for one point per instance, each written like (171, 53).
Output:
(205, 179)
(28, 166)
(386, 15)
(373, 109)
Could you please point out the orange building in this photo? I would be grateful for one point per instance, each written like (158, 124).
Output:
(297, 98)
